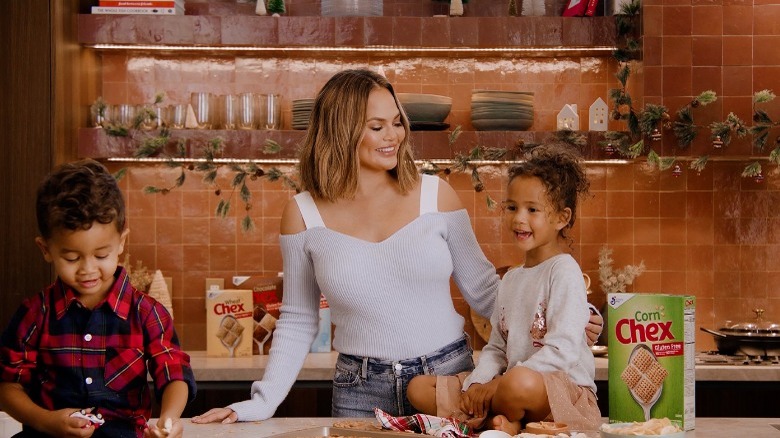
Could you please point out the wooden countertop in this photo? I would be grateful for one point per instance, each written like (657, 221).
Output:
(705, 427)
(320, 366)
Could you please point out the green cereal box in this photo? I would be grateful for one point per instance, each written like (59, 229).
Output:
(651, 358)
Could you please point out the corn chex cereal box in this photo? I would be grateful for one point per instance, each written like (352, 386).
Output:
(651, 358)
(228, 323)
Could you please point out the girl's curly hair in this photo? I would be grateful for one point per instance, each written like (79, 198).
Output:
(559, 168)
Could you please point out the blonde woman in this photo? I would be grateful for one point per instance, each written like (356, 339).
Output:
(381, 242)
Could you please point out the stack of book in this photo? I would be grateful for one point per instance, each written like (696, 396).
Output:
(159, 7)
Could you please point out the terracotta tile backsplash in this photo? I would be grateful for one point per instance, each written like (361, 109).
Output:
(699, 237)
(715, 234)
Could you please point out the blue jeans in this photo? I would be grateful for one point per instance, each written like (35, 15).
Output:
(361, 384)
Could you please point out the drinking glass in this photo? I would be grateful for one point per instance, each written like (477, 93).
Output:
(152, 116)
(202, 106)
(228, 111)
(178, 116)
(247, 114)
(270, 111)
(100, 115)
(123, 115)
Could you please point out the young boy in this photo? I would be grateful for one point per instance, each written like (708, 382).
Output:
(85, 342)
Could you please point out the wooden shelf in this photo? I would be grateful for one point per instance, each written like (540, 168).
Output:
(309, 36)
(439, 36)
(95, 143)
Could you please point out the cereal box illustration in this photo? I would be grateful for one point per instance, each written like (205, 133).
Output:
(229, 323)
(651, 358)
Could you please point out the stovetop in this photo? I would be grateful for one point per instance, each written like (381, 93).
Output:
(715, 358)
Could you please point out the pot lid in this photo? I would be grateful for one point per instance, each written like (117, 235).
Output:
(757, 326)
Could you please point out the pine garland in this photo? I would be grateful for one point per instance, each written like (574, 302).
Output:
(276, 7)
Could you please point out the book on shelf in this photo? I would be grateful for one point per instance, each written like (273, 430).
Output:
(142, 3)
(177, 10)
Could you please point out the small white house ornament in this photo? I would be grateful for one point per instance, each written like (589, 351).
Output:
(568, 118)
(597, 115)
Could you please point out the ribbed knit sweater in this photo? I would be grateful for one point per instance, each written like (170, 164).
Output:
(388, 300)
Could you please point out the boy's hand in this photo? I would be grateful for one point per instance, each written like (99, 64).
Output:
(61, 423)
(476, 401)
(165, 428)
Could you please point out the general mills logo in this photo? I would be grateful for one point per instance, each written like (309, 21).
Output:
(613, 301)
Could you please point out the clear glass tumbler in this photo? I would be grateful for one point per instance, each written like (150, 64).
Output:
(204, 109)
(227, 111)
(247, 111)
(270, 111)
(178, 116)
(123, 115)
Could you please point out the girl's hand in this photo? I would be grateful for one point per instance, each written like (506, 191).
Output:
(477, 400)
(221, 415)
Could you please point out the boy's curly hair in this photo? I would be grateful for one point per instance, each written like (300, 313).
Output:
(559, 168)
(76, 195)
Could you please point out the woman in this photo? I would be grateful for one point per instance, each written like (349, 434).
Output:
(381, 242)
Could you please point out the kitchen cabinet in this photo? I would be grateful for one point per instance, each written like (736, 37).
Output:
(238, 51)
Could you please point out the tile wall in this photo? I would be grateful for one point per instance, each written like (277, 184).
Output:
(714, 234)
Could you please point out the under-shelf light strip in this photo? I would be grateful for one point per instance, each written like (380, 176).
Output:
(560, 49)
(293, 161)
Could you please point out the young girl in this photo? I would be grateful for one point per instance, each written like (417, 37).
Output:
(537, 364)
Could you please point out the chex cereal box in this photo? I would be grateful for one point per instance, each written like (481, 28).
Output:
(266, 303)
(651, 358)
(229, 323)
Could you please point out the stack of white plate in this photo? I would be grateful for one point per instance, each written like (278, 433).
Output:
(493, 110)
(301, 110)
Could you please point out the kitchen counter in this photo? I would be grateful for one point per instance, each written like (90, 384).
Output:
(320, 366)
(705, 427)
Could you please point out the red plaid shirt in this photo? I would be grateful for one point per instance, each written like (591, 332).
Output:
(67, 356)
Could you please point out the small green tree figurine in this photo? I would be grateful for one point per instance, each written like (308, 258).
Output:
(276, 6)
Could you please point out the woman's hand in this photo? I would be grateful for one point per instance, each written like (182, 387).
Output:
(222, 415)
(594, 328)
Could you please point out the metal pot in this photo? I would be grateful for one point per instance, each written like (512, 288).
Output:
(753, 338)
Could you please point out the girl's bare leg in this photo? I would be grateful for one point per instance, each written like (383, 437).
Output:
(421, 393)
(521, 394)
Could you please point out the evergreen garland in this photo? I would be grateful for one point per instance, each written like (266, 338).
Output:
(276, 7)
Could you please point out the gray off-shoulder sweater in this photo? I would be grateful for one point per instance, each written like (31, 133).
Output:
(389, 300)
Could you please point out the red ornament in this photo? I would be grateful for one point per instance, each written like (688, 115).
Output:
(609, 149)
(759, 178)
(677, 170)
(717, 143)
(656, 135)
